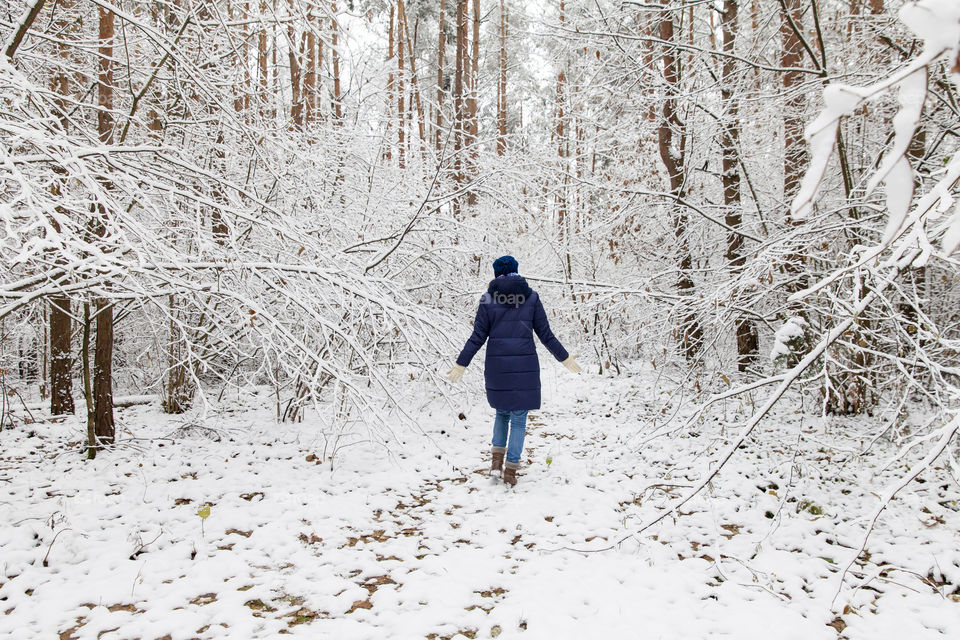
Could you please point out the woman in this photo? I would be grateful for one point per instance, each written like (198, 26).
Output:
(510, 311)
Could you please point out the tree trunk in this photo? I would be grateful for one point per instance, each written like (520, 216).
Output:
(310, 78)
(502, 84)
(442, 44)
(92, 445)
(295, 55)
(747, 339)
(561, 136)
(218, 225)
(649, 27)
(335, 62)
(459, 104)
(474, 76)
(262, 63)
(414, 80)
(103, 358)
(241, 89)
(794, 146)
(104, 427)
(460, 79)
(179, 382)
(317, 102)
(60, 323)
(61, 362)
(915, 279)
(44, 357)
(689, 332)
(401, 91)
(247, 75)
(275, 76)
(390, 40)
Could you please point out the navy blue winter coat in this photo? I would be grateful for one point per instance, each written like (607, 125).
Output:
(509, 314)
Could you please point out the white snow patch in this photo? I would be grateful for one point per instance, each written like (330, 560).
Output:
(422, 542)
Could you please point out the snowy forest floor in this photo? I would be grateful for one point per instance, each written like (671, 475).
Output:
(418, 542)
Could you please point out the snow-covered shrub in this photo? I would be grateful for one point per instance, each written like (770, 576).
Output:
(791, 342)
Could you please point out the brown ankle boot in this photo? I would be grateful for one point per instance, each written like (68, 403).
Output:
(496, 466)
(510, 472)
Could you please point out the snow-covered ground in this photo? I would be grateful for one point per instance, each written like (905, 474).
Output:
(417, 542)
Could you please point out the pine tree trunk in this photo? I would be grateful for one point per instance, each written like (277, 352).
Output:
(60, 323)
(275, 76)
(794, 146)
(179, 382)
(262, 77)
(310, 79)
(61, 374)
(103, 422)
(561, 136)
(388, 153)
(473, 121)
(241, 88)
(441, 45)
(414, 79)
(459, 104)
(689, 332)
(335, 63)
(474, 76)
(318, 103)
(401, 90)
(746, 332)
(649, 29)
(502, 84)
(92, 445)
(247, 75)
(295, 56)
(104, 427)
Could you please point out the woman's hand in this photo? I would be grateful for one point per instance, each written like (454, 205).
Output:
(455, 374)
(571, 363)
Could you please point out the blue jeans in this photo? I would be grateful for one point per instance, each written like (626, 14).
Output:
(517, 423)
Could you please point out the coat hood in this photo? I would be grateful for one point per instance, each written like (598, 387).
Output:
(512, 285)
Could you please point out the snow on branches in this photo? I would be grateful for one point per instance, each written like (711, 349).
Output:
(937, 24)
(244, 289)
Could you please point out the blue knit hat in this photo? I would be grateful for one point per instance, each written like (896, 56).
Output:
(504, 265)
